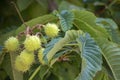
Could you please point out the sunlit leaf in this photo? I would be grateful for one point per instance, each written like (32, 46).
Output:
(85, 21)
(85, 16)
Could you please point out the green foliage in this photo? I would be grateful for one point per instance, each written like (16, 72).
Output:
(33, 22)
(111, 28)
(50, 45)
(66, 19)
(68, 71)
(23, 4)
(85, 21)
(64, 5)
(69, 37)
(87, 47)
(85, 16)
(6, 65)
(39, 20)
(111, 52)
(102, 75)
(91, 57)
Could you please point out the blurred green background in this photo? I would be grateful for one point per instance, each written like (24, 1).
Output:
(29, 9)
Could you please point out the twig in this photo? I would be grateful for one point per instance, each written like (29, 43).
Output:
(20, 16)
